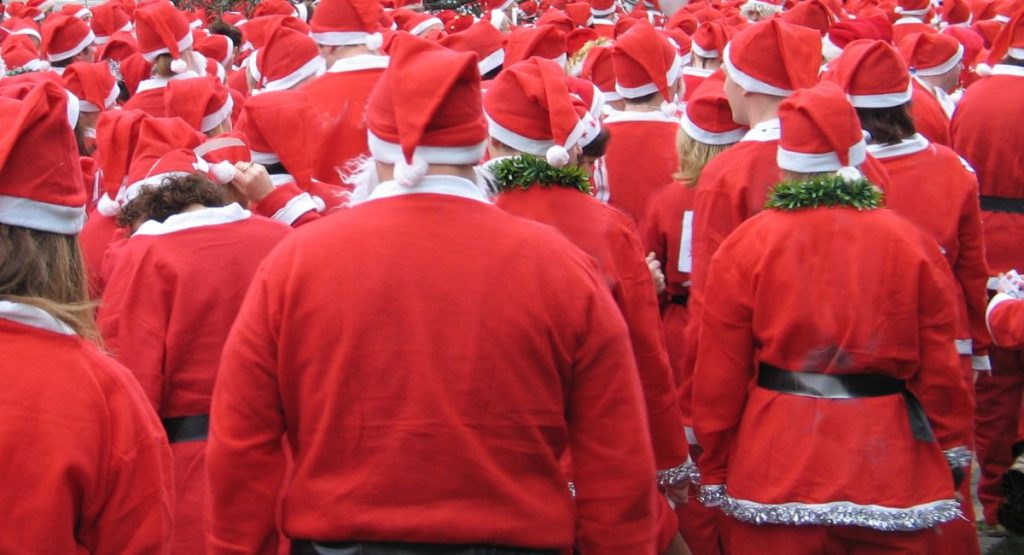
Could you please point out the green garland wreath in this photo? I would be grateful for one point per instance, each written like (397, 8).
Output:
(524, 171)
(825, 191)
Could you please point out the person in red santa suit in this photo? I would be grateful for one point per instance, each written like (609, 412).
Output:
(936, 61)
(422, 416)
(641, 153)
(349, 35)
(86, 465)
(667, 233)
(172, 292)
(879, 85)
(986, 128)
(825, 424)
(931, 116)
(534, 122)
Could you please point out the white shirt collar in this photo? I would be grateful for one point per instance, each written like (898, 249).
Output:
(432, 184)
(359, 63)
(198, 218)
(161, 82)
(35, 317)
(627, 115)
(1007, 69)
(911, 145)
(766, 131)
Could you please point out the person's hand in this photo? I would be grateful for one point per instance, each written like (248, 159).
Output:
(678, 494)
(252, 181)
(656, 274)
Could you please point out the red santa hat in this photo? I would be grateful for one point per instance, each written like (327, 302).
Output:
(75, 10)
(416, 23)
(845, 32)
(708, 118)
(1010, 41)
(956, 12)
(919, 9)
(546, 42)
(226, 147)
(282, 127)
(119, 46)
(107, 19)
(203, 102)
(157, 138)
(19, 52)
(19, 26)
(599, 69)
(645, 63)
(972, 42)
(219, 48)
(1006, 9)
(558, 19)
(23, 10)
(529, 108)
(281, 7)
(40, 176)
(65, 36)
(773, 57)
(93, 84)
(820, 132)
(288, 58)
(578, 39)
(483, 40)
(873, 75)
(134, 70)
(117, 136)
(603, 8)
(710, 39)
(348, 22)
(162, 29)
(684, 21)
(579, 13)
(425, 110)
(931, 53)
(813, 14)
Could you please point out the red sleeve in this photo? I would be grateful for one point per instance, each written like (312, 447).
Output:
(971, 270)
(1006, 321)
(289, 205)
(244, 457)
(613, 466)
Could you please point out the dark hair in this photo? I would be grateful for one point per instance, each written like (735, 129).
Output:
(643, 99)
(887, 126)
(1011, 61)
(599, 145)
(491, 74)
(221, 27)
(172, 196)
(63, 63)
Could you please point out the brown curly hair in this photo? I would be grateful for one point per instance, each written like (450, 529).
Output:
(172, 196)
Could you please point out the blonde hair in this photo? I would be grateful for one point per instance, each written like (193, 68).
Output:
(693, 156)
(45, 270)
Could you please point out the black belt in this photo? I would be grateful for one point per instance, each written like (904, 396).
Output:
(187, 428)
(1002, 204)
(305, 547)
(849, 386)
(681, 300)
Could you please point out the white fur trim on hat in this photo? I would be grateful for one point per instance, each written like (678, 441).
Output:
(41, 216)
(492, 61)
(86, 106)
(707, 137)
(211, 121)
(184, 44)
(391, 153)
(671, 77)
(748, 83)
(309, 69)
(802, 162)
(82, 45)
(424, 25)
(603, 13)
(341, 38)
(696, 49)
(829, 50)
(944, 66)
(1016, 53)
(264, 158)
(886, 100)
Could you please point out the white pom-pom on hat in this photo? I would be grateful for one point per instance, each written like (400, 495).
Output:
(669, 108)
(107, 206)
(222, 173)
(410, 175)
(849, 174)
(983, 70)
(179, 66)
(374, 41)
(557, 156)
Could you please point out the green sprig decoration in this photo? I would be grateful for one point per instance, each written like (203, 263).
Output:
(825, 191)
(524, 171)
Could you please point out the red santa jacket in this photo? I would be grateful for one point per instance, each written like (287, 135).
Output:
(931, 186)
(987, 131)
(173, 290)
(149, 97)
(97, 234)
(431, 396)
(611, 238)
(641, 157)
(340, 95)
(929, 117)
(832, 291)
(1005, 318)
(86, 467)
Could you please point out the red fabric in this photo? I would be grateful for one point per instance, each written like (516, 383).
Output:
(821, 540)
(929, 117)
(150, 101)
(900, 321)
(986, 131)
(86, 468)
(99, 232)
(169, 303)
(278, 199)
(341, 100)
(641, 157)
(1006, 320)
(996, 424)
(611, 238)
(470, 406)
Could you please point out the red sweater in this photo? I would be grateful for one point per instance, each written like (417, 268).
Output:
(173, 291)
(641, 157)
(929, 117)
(429, 377)
(85, 465)
(988, 131)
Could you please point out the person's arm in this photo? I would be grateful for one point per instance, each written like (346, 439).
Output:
(971, 271)
(287, 204)
(245, 459)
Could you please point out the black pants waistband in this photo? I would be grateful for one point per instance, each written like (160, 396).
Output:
(683, 299)
(305, 547)
(187, 428)
(1002, 204)
(849, 386)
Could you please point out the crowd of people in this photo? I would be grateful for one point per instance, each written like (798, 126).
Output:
(511, 278)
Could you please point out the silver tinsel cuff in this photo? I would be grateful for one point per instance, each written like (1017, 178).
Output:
(958, 457)
(711, 496)
(682, 474)
(842, 513)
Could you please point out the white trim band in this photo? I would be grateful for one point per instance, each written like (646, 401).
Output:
(82, 45)
(341, 38)
(492, 61)
(671, 77)
(602, 12)
(422, 26)
(537, 147)
(709, 137)
(264, 158)
(748, 83)
(211, 121)
(696, 49)
(360, 63)
(391, 153)
(944, 66)
(308, 69)
(295, 208)
(183, 44)
(884, 100)
(41, 216)
(803, 162)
